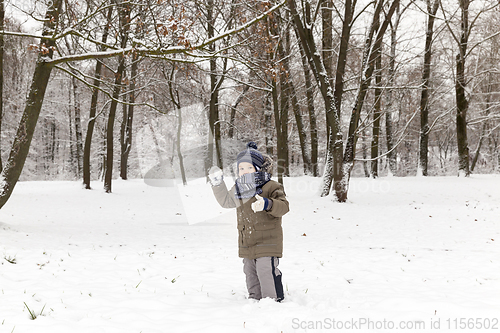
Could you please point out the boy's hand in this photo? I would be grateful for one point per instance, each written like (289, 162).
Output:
(261, 204)
(215, 176)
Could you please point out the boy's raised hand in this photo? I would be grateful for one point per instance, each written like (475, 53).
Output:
(215, 176)
(261, 204)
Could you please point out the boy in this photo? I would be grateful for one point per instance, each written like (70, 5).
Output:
(260, 203)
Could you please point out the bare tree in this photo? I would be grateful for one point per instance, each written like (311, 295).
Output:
(462, 97)
(78, 128)
(347, 23)
(93, 104)
(279, 28)
(373, 43)
(377, 108)
(216, 80)
(124, 12)
(460, 86)
(300, 127)
(432, 8)
(175, 97)
(390, 98)
(128, 110)
(313, 127)
(306, 36)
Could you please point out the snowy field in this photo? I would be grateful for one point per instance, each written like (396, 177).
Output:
(403, 255)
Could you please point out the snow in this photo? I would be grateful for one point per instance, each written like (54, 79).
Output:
(422, 252)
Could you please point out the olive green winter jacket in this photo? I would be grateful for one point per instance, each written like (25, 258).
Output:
(259, 234)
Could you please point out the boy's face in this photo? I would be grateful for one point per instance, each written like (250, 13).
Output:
(245, 167)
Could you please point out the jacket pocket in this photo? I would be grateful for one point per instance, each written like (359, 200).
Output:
(241, 238)
(261, 226)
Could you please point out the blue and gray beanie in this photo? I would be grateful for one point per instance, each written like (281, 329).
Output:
(251, 155)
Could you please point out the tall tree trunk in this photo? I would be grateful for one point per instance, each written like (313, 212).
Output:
(389, 127)
(313, 127)
(300, 128)
(424, 98)
(282, 120)
(124, 13)
(484, 129)
(78, 129)
(2, 18)
(327, 56)
(177, 104)
(93, 108)
(281, 94)
(123, 126)
(369, 57)
(108, 177)
(377, 110)
(71, 139)
(338, 92)
(327, 38)
(178, 145)
(286, 97)
(306, 38)
(364, 150)
(51, 143)
(215, 132)
(279, 135)
(128, 121)
(461, 98)
(214, 136)
(20, 147)
(102, 155)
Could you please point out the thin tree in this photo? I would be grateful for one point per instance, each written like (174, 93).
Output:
(390, 102)
(281, 91)
(373, 43)
(128, 120)
(377, 108)
(460, 92)
(327, 53)
(93, 104)
(313, 127)
(216, 80)
(124, 15)
(174, 96)
(347, 23)
(78, 128)
(301, 131)
(432, 8)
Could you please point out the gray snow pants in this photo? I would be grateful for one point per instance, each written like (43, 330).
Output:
(263, 278)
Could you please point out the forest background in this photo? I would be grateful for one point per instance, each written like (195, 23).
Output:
(166, 89)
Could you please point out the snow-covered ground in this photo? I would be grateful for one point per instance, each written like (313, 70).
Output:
(411, 254)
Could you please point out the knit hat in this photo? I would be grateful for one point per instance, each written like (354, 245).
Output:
(251, 155)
